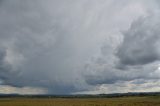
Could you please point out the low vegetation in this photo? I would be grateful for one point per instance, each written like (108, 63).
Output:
(116, 101)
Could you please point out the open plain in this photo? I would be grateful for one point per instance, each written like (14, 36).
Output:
(121, 101)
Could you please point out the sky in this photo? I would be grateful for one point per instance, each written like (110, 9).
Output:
(79, 46)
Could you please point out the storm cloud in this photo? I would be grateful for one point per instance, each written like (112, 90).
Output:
(141, 41)
(63, 47)
(133, 58)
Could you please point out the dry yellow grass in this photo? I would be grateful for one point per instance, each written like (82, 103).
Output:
(125, 101)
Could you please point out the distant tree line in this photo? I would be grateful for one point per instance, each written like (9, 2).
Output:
(140, 94)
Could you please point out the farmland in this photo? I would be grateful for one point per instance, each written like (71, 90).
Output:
(120, 101)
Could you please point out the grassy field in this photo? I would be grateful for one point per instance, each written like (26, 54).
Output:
(123, 101)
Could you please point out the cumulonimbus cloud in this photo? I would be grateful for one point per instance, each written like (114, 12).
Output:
(140, 44)
(58, 45)
(135, 58)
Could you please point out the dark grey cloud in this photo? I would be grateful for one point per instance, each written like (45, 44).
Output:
(42, 43)
(140, 44)
(34, 47)
(2, 65)
(112, 75)
(6, 72)
(60, 46)
(134, 60)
